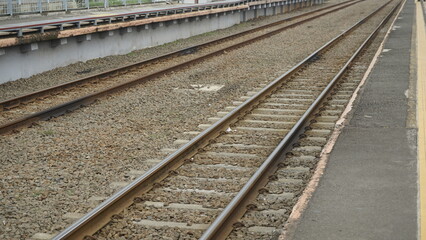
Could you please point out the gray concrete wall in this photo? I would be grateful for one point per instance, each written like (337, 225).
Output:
(27, 60)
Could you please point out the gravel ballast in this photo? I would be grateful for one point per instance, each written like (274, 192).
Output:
(57, 167)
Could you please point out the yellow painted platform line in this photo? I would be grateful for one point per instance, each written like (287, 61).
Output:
(421, 116)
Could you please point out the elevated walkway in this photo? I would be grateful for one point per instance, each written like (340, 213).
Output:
(38, 46)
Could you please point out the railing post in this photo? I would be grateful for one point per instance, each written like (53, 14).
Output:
(65, 4)
(40, 6)
(125, 2)
(106, 3)
(86, 4)
(9, 7)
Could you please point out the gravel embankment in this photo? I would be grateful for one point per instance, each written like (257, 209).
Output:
(56, 167)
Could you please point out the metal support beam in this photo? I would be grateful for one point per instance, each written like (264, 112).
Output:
(39, 6)
(9, 7)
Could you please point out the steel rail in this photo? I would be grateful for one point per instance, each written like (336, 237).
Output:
(223, 224)
(14, 102)
(102, 214)
(88, 99)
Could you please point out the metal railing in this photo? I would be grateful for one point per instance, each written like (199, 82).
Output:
(15, 7)
(78, 22)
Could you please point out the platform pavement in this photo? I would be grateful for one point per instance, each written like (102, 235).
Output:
(369, 188)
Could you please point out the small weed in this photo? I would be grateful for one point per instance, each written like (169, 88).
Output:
(48, 133)
(133, 53)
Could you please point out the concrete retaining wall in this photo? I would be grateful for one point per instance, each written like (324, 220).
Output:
(26, 60)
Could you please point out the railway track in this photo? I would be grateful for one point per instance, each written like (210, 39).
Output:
(55, 101)
(231, 180)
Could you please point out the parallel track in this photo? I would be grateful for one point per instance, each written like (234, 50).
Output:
(106, 83)
(207, 178)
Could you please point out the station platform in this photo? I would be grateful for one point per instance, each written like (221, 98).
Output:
(369, 188)
(58, 16)
(94, 16)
